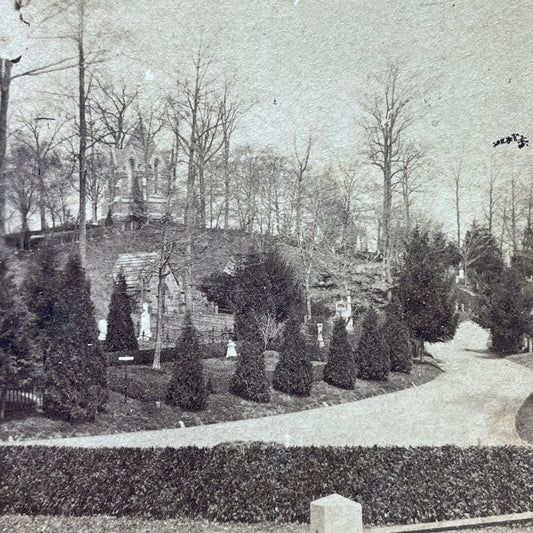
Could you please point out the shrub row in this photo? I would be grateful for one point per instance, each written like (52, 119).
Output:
(256, 482)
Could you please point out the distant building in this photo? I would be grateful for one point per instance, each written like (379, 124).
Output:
(140, 270)
(139, 180)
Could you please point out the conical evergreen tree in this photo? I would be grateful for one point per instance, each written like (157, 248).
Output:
(186, 387)
(249, 380)
(340, 369)
(76, 387)
(396, 335)
(18, 364)
(508, 312)
(41, 291)
(120, 330)
(425, 291)
(293, 373)
(372, 352)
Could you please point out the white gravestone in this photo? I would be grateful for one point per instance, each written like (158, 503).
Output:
(102, 329)
(349, 318)
(343, 309)
(320, 336)
(145, 332)
(336, 514)
(231, 349)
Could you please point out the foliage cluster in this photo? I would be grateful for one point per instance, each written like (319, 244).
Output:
(186, 387)
(263, 285)
(396, 337)
(293, 373)
(240, 482)
(340, 369)
(120, 330)
(425, 286)
(19, 365)
(74, 364)
(372, 356)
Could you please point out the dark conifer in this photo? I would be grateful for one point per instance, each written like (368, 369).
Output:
(249, 380)
(340, 369)
(396, 335)
(19, 364)
(75, 369)
(186, 387)
(293, 373)
(120, 330)
(372, 352)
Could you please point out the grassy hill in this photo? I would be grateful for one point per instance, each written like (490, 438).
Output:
(331, 277)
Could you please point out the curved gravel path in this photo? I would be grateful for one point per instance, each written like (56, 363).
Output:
(474, 402)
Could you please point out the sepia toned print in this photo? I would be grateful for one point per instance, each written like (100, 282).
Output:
(266, 266)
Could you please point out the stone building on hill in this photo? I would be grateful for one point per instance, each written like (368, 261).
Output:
(140, 270)
(139, 179)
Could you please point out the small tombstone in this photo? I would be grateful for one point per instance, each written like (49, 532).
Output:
(145, 332)
(231, 349)
(336, 514)
(320, 336)
(348, 317)
(102, 329)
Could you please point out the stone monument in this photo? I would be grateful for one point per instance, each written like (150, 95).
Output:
(145, 332)
(320, 336)
(231, 349)
(102, 329)
(336, 514)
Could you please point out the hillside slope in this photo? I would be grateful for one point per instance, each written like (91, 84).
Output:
(330, 278)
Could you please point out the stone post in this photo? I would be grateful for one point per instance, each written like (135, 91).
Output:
(336, 514)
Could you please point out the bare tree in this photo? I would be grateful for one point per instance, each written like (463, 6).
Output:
(42, 146)
(389, 119)
(302, 164)
(457, 183)
(410, 179)
(493, 195)
(23, 185)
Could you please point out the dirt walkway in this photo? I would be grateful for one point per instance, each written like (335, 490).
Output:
(473, 403)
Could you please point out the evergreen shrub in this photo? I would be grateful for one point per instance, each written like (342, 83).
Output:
(340, 369)
(120, 330)
(293, 373)
(372, 352)
(186, 387)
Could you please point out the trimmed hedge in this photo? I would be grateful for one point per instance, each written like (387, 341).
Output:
(262, 482)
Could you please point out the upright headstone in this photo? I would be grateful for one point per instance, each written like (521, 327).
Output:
(336, 514)
(320, 335)
(102, 329)
(349, 318)
(231, 350)
(145, 333)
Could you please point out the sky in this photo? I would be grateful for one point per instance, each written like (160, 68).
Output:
(306, 67)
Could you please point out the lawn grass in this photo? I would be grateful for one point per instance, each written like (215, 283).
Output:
(106, 524)
(136, 415)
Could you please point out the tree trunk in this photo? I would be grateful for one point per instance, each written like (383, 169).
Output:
(83, 136)
(307, 291)
(5, 82)
(202, 190)
(95, 211)
(387, 206)
(227, 187)
(42, 196)
(156, 365)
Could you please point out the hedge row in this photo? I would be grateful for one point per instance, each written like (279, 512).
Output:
(256, 482)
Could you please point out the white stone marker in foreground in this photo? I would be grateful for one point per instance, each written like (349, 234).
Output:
(336, 514)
